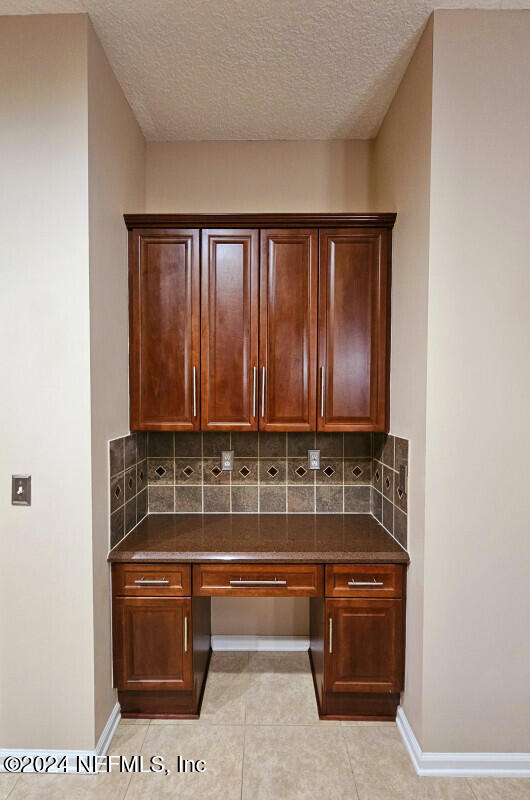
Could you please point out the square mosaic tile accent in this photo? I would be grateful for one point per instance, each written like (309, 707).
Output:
(389, 498)
(128, 470)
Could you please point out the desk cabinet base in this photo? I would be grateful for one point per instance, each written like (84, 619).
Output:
(162, 639)
(357, 654)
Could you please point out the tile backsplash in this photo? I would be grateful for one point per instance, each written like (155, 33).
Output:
(181, 472)
(128, 484)
(270, 473)
(389, 498)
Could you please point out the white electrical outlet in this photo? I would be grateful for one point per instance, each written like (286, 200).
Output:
(227, 460)
(313, 458)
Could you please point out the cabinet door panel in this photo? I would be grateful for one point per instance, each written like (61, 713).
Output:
(288, 317)
(354, 306)
(365, 645)
(230, 275)
(152, 643)
(164, 329)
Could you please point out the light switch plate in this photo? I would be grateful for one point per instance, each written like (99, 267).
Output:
(313, 458)
(21, 490)
(227, 460)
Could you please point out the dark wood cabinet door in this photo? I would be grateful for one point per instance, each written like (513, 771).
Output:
(152, 643)
(164, 313)
(354, 330)
(288, 317)
(229, 337)
(364, 647)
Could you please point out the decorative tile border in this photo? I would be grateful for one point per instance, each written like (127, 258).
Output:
(270, 475)
(389, 503)
(128, 484)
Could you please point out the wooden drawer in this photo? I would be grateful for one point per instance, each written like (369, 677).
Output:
(364, 580)
(263, 580)
(151, 580)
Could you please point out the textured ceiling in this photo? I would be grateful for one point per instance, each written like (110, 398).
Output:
(257, 69)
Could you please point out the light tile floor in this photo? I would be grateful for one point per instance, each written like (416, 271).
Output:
(261, 738)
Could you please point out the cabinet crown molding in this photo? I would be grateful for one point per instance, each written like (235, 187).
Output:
(346, 220)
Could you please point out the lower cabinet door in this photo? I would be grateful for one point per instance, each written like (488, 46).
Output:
(364, 645)
(152, 643)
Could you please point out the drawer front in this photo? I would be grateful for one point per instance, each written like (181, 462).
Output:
(364, 580)
(151, 580)
(264, 580)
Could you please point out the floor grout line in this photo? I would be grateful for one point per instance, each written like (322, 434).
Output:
(10, 792)
(350, 762)
(243, 758)
(146, 727)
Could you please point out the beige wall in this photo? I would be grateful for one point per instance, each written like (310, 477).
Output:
(456, 169)
(258, 176)
(401, 182)
(72, 162)
(476, 688)
(46, 634)
(116, 180)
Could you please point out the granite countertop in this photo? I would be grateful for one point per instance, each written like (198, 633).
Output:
(251, 538)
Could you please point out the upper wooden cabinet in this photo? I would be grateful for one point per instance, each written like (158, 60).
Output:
(280, 323)
(288, 324)
(229, 340)
(164, 313)
(354, 330)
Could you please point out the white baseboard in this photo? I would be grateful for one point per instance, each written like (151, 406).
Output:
(68, 760)
(108, 731)
(464, 765)
(278, 643)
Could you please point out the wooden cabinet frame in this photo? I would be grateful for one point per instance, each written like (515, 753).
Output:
(347, 393)
(288, 328)
(161, 642)
(354, 320)
(153, 378)
(227, 380)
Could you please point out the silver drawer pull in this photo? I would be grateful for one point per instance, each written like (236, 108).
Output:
(185, 634)
(241, 582)
(330, 635)
(263, 391)
(151, 582)
(373, 582)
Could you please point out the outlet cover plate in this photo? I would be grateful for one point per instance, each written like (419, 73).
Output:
(227, 460)
(313, 459)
